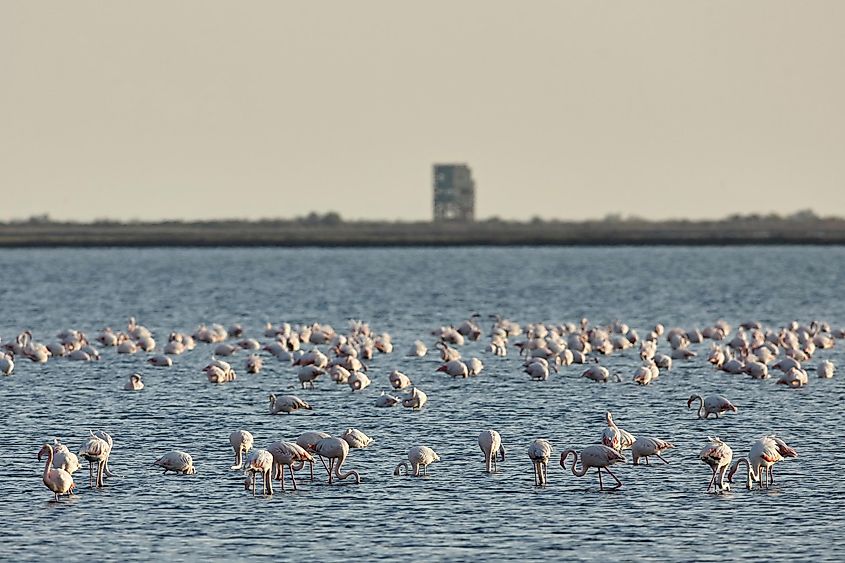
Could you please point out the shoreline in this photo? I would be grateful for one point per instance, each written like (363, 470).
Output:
(387, 235)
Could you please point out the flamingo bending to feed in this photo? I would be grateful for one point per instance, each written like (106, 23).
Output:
(717, 455)
(290, 454)
(598, 456)
(242, 442)
(356, 439)
(614, 437)
(415, 400)
(95, 450)
(419, 457)
(712, 404)
(308, 440)
(358, 380)
(418, 349)
(287, 404)
(826, 369)
(335, 450)
(645, 447)
(399, 380)
(57, 480)
(385, 400)
(490, 443)
(176, 461)
(259, 461)
(455, 368)
(539, 452)
(764, 453)
(7, 363)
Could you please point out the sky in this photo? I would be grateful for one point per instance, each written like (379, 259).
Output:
(563, 109)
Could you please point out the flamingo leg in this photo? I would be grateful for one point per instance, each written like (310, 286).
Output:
(712, 481)
(771, 475)
(253, 483)
(618, 482)
(324, 465)
(661, 458)
(91, 474)
(329, 469)
(598, 470)
(282, 475)
(292, 478)
(311, 464)
(646, 460)
(269, 482)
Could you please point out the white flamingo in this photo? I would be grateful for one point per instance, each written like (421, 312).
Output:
(599, 456)
(645, 447)
(418, 349)
(455, 368)
(765, 452)
(358, 380)
(825, 369)
(59, 481)
(176, 461)
(385, 400)
(7, 363)
(241, 441)
(539, 452)
(63, 458)
(287, 404)
(134, 383)
(335, 450)
(717, 455)
(399, 380)
(490, 443)
(95, 450)
(355, 438)
(416, 400)
(614, 437)
(308, 440)
(289, 454)
(712, 404)
(259, 461)
(419, 458)
(160, 361)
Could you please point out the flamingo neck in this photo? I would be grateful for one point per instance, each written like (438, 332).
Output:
(49, 463)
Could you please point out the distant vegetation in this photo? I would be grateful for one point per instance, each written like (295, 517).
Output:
(329, 229)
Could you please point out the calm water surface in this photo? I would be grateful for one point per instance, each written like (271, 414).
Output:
(457, 512)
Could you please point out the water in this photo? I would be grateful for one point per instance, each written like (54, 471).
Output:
(457, 512)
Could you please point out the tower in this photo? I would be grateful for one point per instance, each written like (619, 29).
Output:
(454, 193)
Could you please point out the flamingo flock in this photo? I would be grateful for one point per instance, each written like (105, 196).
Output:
(319, 355)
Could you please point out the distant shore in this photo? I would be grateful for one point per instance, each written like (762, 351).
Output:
(332, 232)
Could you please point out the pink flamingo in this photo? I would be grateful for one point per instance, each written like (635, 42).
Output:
(599, 456)
(57, 480)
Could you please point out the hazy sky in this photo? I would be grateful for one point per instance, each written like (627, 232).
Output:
(208, 109)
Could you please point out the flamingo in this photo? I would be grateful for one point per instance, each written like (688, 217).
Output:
(385, 400)
(539, 452)
(290, 454)
(455, 368)
(287, 404)
(614, 437)
(717, 455)
(765, 452)
(335, 450)
(176, 461)
(57, 480)
(259, 461)
(241, 441)
(418, 349)
(399, 380)
(63, 458)
(598, 456)
(358, 380)
(644, 447)
(474, 365)
(825, 369)
(134, 383)
(95, 450)
(308, 441)
(712, 404)
(600, 374)
(254, 364)
(355, 438)
(416, 400)
(7, 363)
(160, 361)
(490, 443)
(795, 377)
(419, 458)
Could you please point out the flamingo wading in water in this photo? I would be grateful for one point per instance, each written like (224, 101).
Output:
(599, 456)
(420, 457)
(712, 404)
(490, 443)
(57, 480)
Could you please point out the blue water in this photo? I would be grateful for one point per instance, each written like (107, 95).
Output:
(458, 512)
